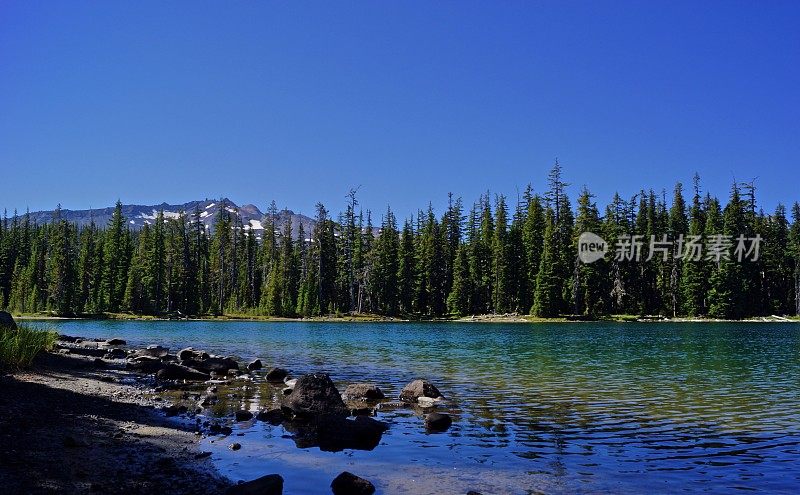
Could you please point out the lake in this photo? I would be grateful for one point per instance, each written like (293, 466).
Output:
(553, 408)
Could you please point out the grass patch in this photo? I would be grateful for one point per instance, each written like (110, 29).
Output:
(19, 346)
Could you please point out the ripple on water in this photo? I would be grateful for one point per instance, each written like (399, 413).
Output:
(556, 408)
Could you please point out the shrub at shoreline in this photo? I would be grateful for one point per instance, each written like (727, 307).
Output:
(18, 346)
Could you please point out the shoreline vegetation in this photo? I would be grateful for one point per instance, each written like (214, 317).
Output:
(494, 258)
(375, 318)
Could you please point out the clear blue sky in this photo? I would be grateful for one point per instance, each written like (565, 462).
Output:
(299, 101)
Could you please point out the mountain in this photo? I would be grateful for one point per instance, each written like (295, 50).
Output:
(139, 215)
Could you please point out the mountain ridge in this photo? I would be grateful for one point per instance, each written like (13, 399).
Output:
(136, 216)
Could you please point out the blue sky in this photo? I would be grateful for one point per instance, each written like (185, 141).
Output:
(300, 101)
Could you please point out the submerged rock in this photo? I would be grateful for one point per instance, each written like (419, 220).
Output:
(235, 446)
(271, 484)
(419, 388)
(363, 391)
(438, 421)
(217, 429)
(115, 342)
(314, 395)
(350, 484)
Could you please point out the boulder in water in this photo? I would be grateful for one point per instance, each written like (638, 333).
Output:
(314, 395)
(174, 371)
(350, 484)
(363, 391)
(271, 484)
(276, 375)
(419, 388)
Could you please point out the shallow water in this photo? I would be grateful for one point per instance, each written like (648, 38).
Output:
(554, 408)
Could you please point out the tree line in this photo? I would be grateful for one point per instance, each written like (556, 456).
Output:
(493, 258)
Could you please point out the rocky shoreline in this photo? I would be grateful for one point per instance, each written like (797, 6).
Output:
(98, 416)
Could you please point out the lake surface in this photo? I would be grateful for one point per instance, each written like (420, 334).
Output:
(553, 408)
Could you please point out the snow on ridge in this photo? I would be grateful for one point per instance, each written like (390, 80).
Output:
(210, 206)
(256, 224)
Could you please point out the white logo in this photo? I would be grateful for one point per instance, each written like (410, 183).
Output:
(591, 247)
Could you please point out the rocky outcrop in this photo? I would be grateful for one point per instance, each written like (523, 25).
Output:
(350, 484)
(419, 388)
(255, 365)
(271, 484)
(363, 391)
(314, 395)
(115, 342)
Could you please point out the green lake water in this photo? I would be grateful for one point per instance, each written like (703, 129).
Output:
(553, 408)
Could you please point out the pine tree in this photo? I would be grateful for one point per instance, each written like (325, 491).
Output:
(458, 302)
(500, 258)
(589, 279)
(533, 241)
(386, 266)
(406, 269)
(547, 297)
(695, 274)
(728, 288)
(678, 229)
(794, 250)
(60, 270)
(116, 261)
(220, 260)
(139, 287)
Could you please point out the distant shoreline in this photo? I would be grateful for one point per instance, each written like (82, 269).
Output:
(371, 318)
